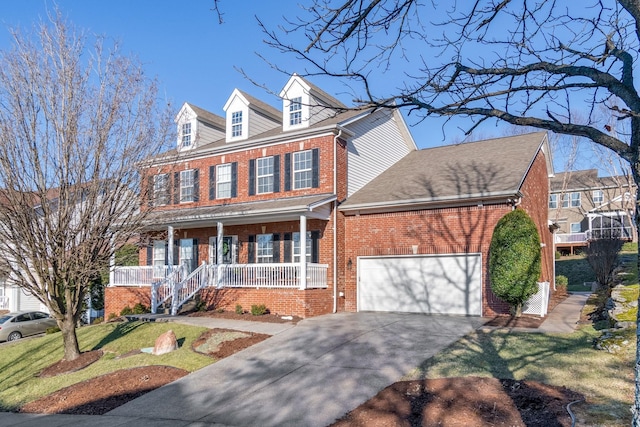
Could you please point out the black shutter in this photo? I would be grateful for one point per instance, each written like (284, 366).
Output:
(176, 188)
(287, 172)
(276, 174)
(234, 179)
(196, 185)
(195, 254)
(252, 177)
(212, 182)
(150, 190)
(315, 168)
(276, 248)
(251, 249)
(176, 253)
(287, 247)
(315, 246)
(167, 190)
(166, 258)
(150, 254)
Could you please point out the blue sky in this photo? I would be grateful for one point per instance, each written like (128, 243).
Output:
(195, 58)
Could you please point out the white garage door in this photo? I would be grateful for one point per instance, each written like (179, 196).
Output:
(450, 284)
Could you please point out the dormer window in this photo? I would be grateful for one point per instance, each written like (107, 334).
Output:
(186, 135)
(295, 111)
(236, 124)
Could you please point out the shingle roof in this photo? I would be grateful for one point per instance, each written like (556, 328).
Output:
(208, 116)
(490, 168)
(585, 180)
(266, 108)
(332, 101)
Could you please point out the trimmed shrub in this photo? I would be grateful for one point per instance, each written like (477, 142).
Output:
(514, 259)
(239, 309)
(140, 308)
(562, 281)
(126, 311)
(258, 310)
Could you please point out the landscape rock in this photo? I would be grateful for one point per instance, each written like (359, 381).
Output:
(165, 343)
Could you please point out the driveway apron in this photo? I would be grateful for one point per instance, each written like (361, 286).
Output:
(308, 375)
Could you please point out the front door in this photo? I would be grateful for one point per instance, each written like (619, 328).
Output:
(229, 245)
(188, 254)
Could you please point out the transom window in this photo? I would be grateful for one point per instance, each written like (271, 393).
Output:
(302, 169)
(295, 111)
(186, 135)
(265, 174)
(161, 189)
(236, 124)
(186, 186)
(598, 196)
(264, 252)
(296, 246)
(553, 201)
(223, 183)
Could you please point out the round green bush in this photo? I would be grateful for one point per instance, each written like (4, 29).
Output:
(514, 259)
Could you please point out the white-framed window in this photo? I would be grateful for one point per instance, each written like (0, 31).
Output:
(264, 248)
(236, 124)
(302, 169)
(161, 189)
(186, 134)
(186, 186)
(295, 111)
(553, 201)
(264, 175)
(223, 181)
(158, 255)
(598, 196)
(296, 246)
(575, 200)
(575, 227)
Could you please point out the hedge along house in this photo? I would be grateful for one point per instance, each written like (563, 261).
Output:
(418, 235)
(247, 214)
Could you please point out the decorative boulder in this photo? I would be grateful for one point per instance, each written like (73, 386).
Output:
(165, 343)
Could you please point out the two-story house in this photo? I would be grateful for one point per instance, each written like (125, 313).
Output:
(584, 206)
(315, 208)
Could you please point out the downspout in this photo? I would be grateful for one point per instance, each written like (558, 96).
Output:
(335, 221)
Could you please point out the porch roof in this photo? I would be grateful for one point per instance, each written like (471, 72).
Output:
(275, 210)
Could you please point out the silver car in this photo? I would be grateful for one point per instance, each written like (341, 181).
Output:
(14, 326)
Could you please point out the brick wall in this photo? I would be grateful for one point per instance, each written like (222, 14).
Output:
(117, 298)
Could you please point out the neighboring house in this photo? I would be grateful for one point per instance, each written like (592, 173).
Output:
(584, 206)
(15, 298)
(316, 208)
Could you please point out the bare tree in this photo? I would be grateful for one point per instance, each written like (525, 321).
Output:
(75, 123)
(528, 63)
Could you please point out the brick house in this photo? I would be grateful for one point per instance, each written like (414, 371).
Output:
(300, 209)
(584, 206)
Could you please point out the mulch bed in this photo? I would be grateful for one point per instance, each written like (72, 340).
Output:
(526, 320)
(267, 318)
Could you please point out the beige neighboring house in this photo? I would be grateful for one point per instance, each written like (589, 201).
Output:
(584, 206)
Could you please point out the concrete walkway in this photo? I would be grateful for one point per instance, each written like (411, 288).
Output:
(304, 375)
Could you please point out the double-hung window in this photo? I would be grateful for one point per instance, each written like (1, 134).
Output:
(223, 182)
(187, 186)
(553, 201)
(296, 246)
(302, 169)
(161, 189)
(186, 135)
(575, 200)
(264, 176)
(598, 196)
(295, 111)
(264, 248)
(236, 124)
(575, 227)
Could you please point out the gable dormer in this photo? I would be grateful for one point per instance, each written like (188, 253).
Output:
(304, 104)
(197, 127)
(247, 116)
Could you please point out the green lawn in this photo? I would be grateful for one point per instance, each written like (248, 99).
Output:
(21, 361)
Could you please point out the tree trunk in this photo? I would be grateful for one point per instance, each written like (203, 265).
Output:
(636, 404)
(69, 338)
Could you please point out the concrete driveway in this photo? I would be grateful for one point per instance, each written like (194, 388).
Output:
(308, 375)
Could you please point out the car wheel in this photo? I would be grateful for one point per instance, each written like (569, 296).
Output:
(13, 336)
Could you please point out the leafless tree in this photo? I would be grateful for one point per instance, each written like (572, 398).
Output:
(528, 63)
(75, 123)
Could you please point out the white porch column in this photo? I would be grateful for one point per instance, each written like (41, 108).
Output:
(219, 254)
(112, 261)
(303, 252)
(170, 246)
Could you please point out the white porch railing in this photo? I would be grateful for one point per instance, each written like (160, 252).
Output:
(164, 289)
(4, 303)
(570, 237)
(139, 276)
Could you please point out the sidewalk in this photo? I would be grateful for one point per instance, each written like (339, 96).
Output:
(305, 375)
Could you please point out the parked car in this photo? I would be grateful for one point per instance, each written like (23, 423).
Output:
(14, 326)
